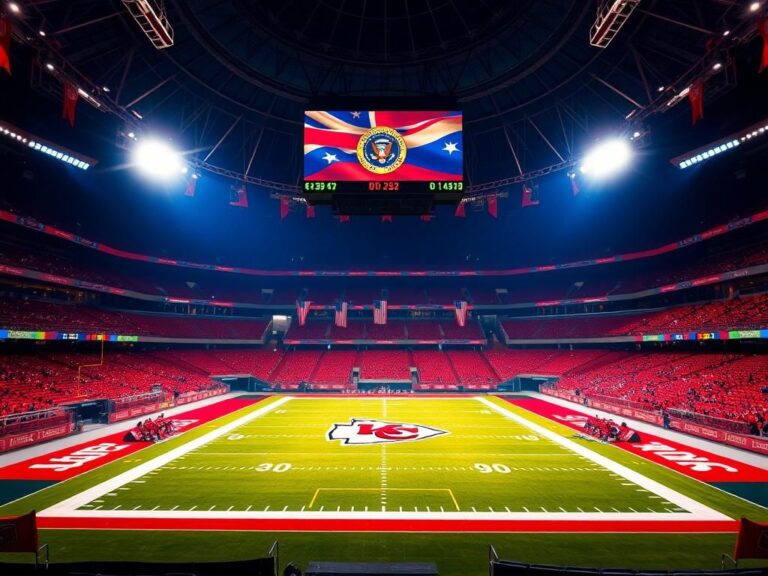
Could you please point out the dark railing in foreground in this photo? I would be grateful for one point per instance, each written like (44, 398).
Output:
(509, 568)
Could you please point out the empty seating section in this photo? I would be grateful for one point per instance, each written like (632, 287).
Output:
(384, 365)
(295, 369)
(470, 331)
(424, 330)
(720, 385)
(473, 369)
(150, 279)
(435, 370)
(392, 330)
(388, 331)
(354, 331)
(740, 313)
(510, 363)
(315, 330)
(56, 316)
(334, 370)
(30, 382)
(258, 363)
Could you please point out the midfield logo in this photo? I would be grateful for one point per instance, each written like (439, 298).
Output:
(378, 432)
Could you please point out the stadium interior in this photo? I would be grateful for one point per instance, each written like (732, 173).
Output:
(506, 313)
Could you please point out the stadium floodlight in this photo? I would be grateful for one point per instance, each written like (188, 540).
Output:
(717, 147)
(607, 158)
(32, 142)
(157, 159)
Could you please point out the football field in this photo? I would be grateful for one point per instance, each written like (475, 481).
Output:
(453, 459)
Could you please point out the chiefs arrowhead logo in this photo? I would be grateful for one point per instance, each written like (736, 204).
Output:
(377, 432)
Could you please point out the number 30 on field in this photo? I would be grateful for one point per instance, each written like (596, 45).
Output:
(269, 467)
(489, 468)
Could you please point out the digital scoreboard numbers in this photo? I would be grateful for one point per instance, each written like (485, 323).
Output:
(377, 152)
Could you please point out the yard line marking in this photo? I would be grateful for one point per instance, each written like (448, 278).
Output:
(701, 511)
(526, 509)
(172, 509)
(132, 475)
(191, 509)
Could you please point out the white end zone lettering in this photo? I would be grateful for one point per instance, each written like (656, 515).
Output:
(80, 457)
(682, 458)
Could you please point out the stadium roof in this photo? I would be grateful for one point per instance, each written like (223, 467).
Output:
(232, 90)
(533, 90)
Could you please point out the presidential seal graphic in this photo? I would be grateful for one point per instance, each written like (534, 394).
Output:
(381, 150)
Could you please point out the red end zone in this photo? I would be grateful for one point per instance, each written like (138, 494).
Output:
(70, 462)
(693, 462)
(394, 525)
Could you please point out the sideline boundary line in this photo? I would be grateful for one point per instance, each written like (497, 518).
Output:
(70, 505)
(689, 504)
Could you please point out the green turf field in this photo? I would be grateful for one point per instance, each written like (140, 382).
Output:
(283, 461)
(275, 459)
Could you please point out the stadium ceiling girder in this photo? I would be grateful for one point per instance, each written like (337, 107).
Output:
(532, 89)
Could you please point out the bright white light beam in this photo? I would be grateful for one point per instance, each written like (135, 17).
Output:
(158, 160)
(607, 159)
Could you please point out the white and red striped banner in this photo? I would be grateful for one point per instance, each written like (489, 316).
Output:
(341, 313)
(302, 310)
(461, 309)
(379, 311)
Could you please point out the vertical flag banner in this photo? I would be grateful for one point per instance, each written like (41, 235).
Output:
(379, 311)
(530, 196)
(238, 197)
(381, 145)
(752, 541)
(461, 210)
(310, 211)
(461, 308)
(71, 97)
(574, 184)
(302, 310)
(5, 44)
(696, 98)
(763, 29)
(190, 189)
(493, 206)
(341, 313)
(386, 218)
(18, 533)
(343, 218)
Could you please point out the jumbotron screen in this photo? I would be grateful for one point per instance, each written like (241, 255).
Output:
(360, 151)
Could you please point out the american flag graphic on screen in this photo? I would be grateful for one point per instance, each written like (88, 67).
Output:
(383, 145)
